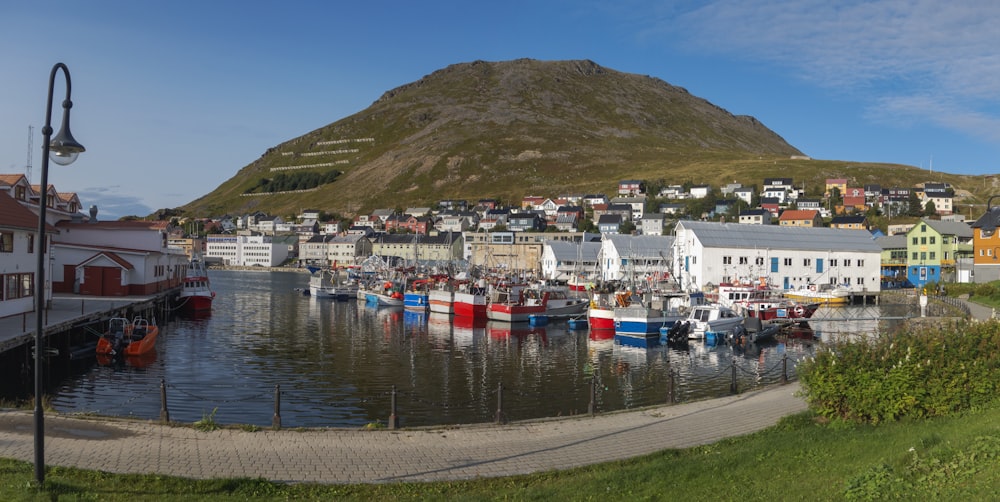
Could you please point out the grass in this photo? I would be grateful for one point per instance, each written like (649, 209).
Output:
(802, 458)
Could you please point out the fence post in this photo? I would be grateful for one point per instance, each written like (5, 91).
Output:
(592, 407)
(671, 398)
(393, 418)
(276, 419)
(164, 414)
(499, 417)
(732, 387)
(784, 369)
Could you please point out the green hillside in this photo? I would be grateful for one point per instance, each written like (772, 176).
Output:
(527, 127)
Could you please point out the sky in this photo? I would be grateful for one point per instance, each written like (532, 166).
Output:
(171, 99)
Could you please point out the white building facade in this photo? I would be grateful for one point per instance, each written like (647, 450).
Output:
(246, 250)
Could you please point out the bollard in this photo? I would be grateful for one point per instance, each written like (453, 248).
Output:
(276, 419)
(671, 398)
(591, 408)
(393, 418)
(164, 414)
(82, 308)
(784, 369)
(732, 387)
(499, 418)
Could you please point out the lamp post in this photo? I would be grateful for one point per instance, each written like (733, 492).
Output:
(63, 150)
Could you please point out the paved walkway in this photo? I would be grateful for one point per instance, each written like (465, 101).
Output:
(346, 456)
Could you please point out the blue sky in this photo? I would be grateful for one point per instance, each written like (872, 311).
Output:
(173, 98)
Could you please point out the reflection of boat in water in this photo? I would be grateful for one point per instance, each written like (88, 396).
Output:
(466, 330)
(438, 325)
(139, 362)
(520, 332)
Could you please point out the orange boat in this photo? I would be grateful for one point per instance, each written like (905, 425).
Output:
(128, 338)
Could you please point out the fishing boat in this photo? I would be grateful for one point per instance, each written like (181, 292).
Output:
(824, 294)
(390, 295)
(196, 294)
(416, 298)
(471, 300)
(325, 283)
(442, 298)
(128, 338)
(520, 304)
(601, 313)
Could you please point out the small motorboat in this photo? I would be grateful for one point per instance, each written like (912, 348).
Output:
(128, 338)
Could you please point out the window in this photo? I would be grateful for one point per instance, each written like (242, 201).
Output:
(31, 243)
(727, 260)
(12, 286)
(744, 260)
(788, 262)
(915, 241)
(933, 255)
(6, 242)
(833, 262)
(806, 262)
(923, 240)
(760, 260)
(847, 262)
(932, 239)
(27, 285)
(861, 263)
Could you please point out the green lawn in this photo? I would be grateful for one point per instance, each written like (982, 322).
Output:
(803, 458)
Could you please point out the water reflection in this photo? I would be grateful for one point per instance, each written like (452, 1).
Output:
(337, 361)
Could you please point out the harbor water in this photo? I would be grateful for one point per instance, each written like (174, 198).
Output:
(266, 349)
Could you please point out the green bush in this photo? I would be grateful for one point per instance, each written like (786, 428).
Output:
(931, 372)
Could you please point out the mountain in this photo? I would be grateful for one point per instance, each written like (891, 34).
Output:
(514, 128)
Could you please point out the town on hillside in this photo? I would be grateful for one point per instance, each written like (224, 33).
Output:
(698, 235)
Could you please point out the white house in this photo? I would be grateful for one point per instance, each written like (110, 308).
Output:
(652, 224)
(18, 226)
(708, 253)
(634, 257)
(562, 260)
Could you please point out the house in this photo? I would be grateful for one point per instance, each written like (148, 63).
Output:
(852, 222)
(453, 205)
(609, 223)
(526, 222)
(594, 199)
(933, 244)
(814, 204)
(800, 218)
(635, 257)
(778, 184)
(986, 246)
(115, 258)
(672, 208)
(700, 191)
(652, 224)
(493, 218)
(636, 204)
(730, 188)
(631, 187)
(893, 260)
(709, 253)
(455, 222)
(755, 217)
(771, 204)
(672, 192)
(417, 211)
(563, 260)
(745, 194)
(18, 230)
(840, 184)
(778, 193)
(568, 218)
(942, 202)
(854, 199)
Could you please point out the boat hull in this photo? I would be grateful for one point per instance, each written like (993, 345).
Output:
(418, 302)
(470, 305)
(441, 301)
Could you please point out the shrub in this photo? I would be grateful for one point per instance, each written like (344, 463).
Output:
(930, 372)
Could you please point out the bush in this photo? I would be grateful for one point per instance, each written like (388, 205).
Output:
(931, 372)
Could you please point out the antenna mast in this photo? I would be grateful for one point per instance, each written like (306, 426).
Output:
(27, 169)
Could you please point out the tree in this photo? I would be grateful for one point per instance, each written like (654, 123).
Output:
(930, 209)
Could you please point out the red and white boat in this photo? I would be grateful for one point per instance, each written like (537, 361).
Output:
(770, 309)
(196, 293)
(601, 314)
(470, 300)
(518, 304)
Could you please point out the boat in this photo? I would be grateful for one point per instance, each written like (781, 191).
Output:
(646, 314)
(518, 304)
(776, 309)
(601, 313)
(416, 297)
(324, 283)
(824, 294)
(196, 294)
(128, 338)
(442, 298)
(388, 296)
(471, 300)
(715, 318)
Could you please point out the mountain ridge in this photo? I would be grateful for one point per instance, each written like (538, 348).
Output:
(511, 128)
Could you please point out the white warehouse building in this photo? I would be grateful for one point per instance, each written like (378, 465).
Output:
(246, 250)
(707, 254)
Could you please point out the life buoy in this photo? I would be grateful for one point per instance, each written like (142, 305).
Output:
(799, 310)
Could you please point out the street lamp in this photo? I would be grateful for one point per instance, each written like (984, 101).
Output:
(63, 150)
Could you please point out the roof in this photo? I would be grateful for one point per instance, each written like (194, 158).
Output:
(955, 228)
(848, 219)
(641, 245)
(574, 251)
(14, 215)
(798, 214)
(735, 235)
(897, 241)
